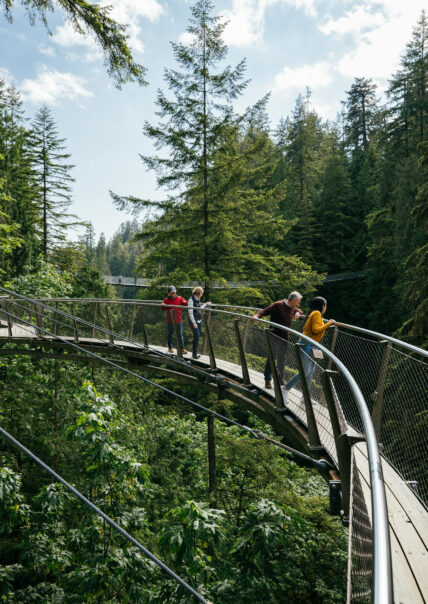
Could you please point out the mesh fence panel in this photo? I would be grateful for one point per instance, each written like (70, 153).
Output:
(404, 419)
(360, 560)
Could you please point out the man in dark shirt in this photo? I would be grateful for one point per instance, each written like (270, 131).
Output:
(281, 312)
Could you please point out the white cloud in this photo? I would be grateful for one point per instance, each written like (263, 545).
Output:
(49, 51)
(376, 52)
(247, 19)
(315, 76)
(353, 21)
(186, 38)
(52, 86)
(67, 37)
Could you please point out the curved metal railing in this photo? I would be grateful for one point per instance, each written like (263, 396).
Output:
(238, 346)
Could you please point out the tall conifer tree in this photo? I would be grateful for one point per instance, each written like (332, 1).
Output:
(53, 178)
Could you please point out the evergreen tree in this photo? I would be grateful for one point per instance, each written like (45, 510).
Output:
(18, 178)
(302, 140)
(202, 233)
(54, 179)
(333, 239)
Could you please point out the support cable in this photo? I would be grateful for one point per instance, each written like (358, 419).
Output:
(104, 516)
(255, 433)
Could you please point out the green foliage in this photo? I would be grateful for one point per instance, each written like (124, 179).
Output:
(42, 281)
(89, 17)
(144, 462)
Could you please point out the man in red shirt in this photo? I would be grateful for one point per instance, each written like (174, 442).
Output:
(281, 312)
(173, 300)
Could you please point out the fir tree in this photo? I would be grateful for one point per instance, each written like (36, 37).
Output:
(213, 162)
(54, 179)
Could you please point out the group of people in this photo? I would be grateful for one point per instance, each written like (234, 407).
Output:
(281, 313)
(195, 317)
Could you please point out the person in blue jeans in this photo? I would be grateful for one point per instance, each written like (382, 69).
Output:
(314, 328)
(195, 317)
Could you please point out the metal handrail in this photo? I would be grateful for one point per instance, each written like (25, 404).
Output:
(382, 573)
(362, 330)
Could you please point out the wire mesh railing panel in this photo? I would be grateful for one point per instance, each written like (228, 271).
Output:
(404, 419)
(225, 344)
(361, 543)
(363, 358)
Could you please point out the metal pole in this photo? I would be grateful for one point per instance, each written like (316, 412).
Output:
(174, 322)
(55, 319)
(131, 326)
(75, 334)
(245, 375)
(279, 399)
(332, 345)
(94, 319)
(110, 335)
(208, 341)
(343, 446)
(314, 438)
(143, 328)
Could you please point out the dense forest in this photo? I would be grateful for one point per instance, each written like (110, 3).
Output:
(284, 204)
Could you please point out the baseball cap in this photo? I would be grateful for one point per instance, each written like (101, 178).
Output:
(171, 289)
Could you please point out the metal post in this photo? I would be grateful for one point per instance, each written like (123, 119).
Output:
(37, 320)
(131, 326)
(245, 374)
(143, 328)
(208, 341)
(177, 336)
(75, 334)
(55, 319)
(343, 445)
(314, 439)
(9, 322)
(377, 395)
(207, 324)
(276, 383)
(110, 335)
(94, 319)
(332, 345)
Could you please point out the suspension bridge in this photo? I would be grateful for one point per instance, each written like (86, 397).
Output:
(361, 422)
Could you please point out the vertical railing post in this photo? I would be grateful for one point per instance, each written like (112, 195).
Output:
(314, 439)
(205, 343)
(75, 334)
(9, 321)
(343, 445)
(143, 327)
(131, 326)
(37, 320)
(110, 335)
(245, 375)
(94, 319)
(177, 335)
(276, 383)
(377, 395)
(209, 343)
(332, 345)
(55, 319)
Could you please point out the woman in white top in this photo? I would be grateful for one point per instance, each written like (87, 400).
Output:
(195, 317)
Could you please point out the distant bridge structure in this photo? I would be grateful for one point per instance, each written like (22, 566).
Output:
(142, 282)
(361, 422)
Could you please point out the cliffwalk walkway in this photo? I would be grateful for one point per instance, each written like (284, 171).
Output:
(368, 392)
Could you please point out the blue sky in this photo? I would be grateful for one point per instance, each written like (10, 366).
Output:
(289, 44)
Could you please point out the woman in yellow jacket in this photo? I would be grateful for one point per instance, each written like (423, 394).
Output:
(314, 328)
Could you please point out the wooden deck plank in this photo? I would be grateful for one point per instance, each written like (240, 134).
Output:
(409, 555)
